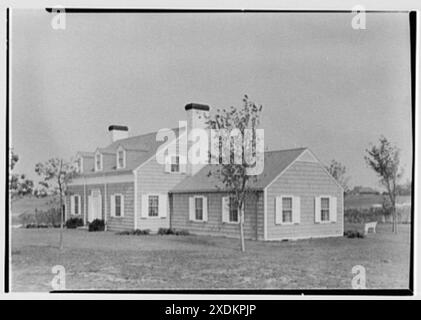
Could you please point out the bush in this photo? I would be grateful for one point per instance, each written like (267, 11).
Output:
(97, 225)
(366, 215)
(353, 234)
(136, 232)
(73, 223)
(169, 231)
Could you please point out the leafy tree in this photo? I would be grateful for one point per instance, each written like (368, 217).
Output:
(338, 171)
(56, 174)
(19, 185)
(384, 159)
(234, 174)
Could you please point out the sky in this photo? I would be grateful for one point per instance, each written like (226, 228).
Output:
(322, 84)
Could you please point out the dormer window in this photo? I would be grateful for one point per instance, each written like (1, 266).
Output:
(79, 164)
(175, 164)
(98, 161)
(121, 158)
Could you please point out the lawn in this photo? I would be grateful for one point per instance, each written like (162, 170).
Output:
(104, 260)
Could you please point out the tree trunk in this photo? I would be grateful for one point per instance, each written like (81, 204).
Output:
(243, 247)
(395, 220)
(61, 222)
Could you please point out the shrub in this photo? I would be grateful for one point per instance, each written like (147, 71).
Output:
(353, 234)
(136, 232)
(169, 231)
(73, 223)
(97, 225)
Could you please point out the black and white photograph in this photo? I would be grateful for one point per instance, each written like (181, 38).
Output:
(210, 151)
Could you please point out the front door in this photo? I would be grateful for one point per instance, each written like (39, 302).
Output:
(95, 206)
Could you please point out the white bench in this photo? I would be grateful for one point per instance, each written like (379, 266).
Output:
(370, 225)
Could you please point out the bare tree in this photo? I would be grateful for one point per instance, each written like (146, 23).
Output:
(56, 174)
(234, 175)
(384, 159)
(338, 171)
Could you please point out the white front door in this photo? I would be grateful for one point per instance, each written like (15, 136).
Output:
(95, 206)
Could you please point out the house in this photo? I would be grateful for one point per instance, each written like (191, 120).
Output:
(124, 184)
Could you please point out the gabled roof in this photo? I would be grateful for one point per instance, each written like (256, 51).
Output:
(274, 163)
(145, 146)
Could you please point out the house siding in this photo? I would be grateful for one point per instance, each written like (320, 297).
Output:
(75, 190)
(127, 221)
(152, 179)
(306, 180)
(113, 223)
(253, 224)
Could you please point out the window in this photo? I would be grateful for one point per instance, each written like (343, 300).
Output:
(117, 203)
(80, 164)
(286, 209)
(175, 164)
(153, 207)
(121, 158)
(324, 209)
(233, 213)
(75, 205)
(198, 204)
(98, 162)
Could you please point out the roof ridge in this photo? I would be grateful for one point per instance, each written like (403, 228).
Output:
(290, 149)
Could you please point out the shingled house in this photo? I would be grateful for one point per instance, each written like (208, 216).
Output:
(123, 183)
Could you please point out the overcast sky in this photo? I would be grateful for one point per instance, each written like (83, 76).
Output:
(322, 84)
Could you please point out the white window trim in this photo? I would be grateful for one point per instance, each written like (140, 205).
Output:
(182, 164)
(100, 160)
(203, 209)
(330, 214)
(124, 158)
(72, 205)
(112, 205)
(284, 223)
(147, 197)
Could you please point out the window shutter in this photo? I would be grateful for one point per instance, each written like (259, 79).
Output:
(317, 212)
(112, 206)
(225, 209)
(145, 204)
(168, 164)
(72, 204)
(205, 209)
(278, 210)
(122, 205)
(296, 209)
(191, 208)
(333, 208)
(80, 205)
(162, 210)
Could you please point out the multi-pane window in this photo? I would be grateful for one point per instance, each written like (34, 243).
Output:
(286, 209)
(76, 205)
(175, 164)
(153, 206)
(233, 214)
(120, 158)
(198, 204)
(324, 209)
(117, 203)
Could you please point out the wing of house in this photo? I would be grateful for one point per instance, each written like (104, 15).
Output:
(125, 185)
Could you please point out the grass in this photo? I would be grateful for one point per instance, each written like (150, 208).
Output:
(103, 260)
